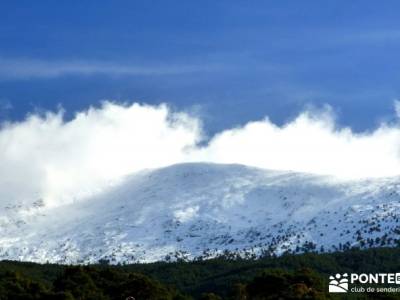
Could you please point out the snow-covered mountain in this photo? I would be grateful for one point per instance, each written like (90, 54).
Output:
(198, 210)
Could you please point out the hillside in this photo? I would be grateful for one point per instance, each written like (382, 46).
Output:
(199, 211)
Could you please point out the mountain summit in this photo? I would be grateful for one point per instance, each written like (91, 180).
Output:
(199, 210)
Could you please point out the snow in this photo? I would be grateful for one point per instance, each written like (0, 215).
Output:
(199, 210)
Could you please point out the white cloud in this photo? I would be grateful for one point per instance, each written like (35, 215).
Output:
(30, 68)
(48, 158)
(45, 157)
(310, 144)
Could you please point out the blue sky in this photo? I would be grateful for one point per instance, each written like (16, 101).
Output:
(229, 61)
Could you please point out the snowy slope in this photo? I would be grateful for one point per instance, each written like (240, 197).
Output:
(198, 210)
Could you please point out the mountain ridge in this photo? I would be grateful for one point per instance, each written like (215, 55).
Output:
(200, 210)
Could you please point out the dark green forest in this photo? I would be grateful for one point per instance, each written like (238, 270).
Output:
(303, 276)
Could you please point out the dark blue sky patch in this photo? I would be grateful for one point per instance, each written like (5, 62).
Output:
(238, 61)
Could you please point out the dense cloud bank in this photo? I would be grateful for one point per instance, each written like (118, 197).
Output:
(45, 157)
